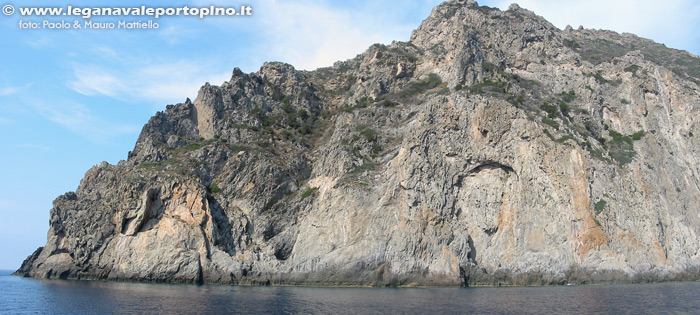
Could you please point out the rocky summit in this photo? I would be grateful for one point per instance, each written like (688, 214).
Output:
(492, 148)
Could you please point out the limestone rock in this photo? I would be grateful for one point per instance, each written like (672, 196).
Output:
(492, 148)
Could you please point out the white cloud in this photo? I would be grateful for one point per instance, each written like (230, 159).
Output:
(311, 34)
(78, 119)
(11, 90)
(672, 22)
(94, 80)
(130, 81)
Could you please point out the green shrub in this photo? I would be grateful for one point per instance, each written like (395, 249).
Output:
(362, 102)
(621, 148)
(192, 146)
(214, 188)
(600, 79)
(564, 109)
(277, 93)
(304, 129)
(307, 193)
(488, 67)
(600, 206)
(615, 135)
(571, 44)
(549, 134)
(367, 166)
(638, 135)
(551, 123)
(244, 126)
(622, 155)
(414, 88)
(632, 68)
(389, 103)
(443, 91)
(287, 108)
(564, 138)
(303, 114)
(568, 96)
(488, 85)
(370, 134)
(549, 108)
(268, 121)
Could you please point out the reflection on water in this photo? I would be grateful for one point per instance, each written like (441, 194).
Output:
(22, 295)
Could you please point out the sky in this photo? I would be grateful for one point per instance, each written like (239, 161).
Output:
(70, 99)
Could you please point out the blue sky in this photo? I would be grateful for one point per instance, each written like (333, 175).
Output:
(70, 99)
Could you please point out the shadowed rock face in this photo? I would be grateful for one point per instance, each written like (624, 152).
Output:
(490, 149)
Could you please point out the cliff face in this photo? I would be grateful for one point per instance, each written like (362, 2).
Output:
(492, 148)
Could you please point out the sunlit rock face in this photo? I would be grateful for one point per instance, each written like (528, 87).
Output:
(490, 149)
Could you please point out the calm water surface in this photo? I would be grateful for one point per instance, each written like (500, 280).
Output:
(31, 296)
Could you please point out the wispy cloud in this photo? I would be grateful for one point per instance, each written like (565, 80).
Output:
(95, 80)
(673, 22)
(166, 82)
(11, 90)
(79, 119)
(310, 34)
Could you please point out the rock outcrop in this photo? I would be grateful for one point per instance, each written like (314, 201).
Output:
(490, 149)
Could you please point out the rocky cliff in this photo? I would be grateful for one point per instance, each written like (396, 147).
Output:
(492, 148)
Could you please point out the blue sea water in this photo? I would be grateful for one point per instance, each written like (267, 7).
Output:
(31, 296)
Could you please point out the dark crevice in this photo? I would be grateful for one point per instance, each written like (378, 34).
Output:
(472, 251)
(491, 231)
(490, 166)
(125, 224)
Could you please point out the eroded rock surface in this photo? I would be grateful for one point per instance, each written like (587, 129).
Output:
(492, 148)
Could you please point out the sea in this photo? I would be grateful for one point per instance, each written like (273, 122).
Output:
(34, 296)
